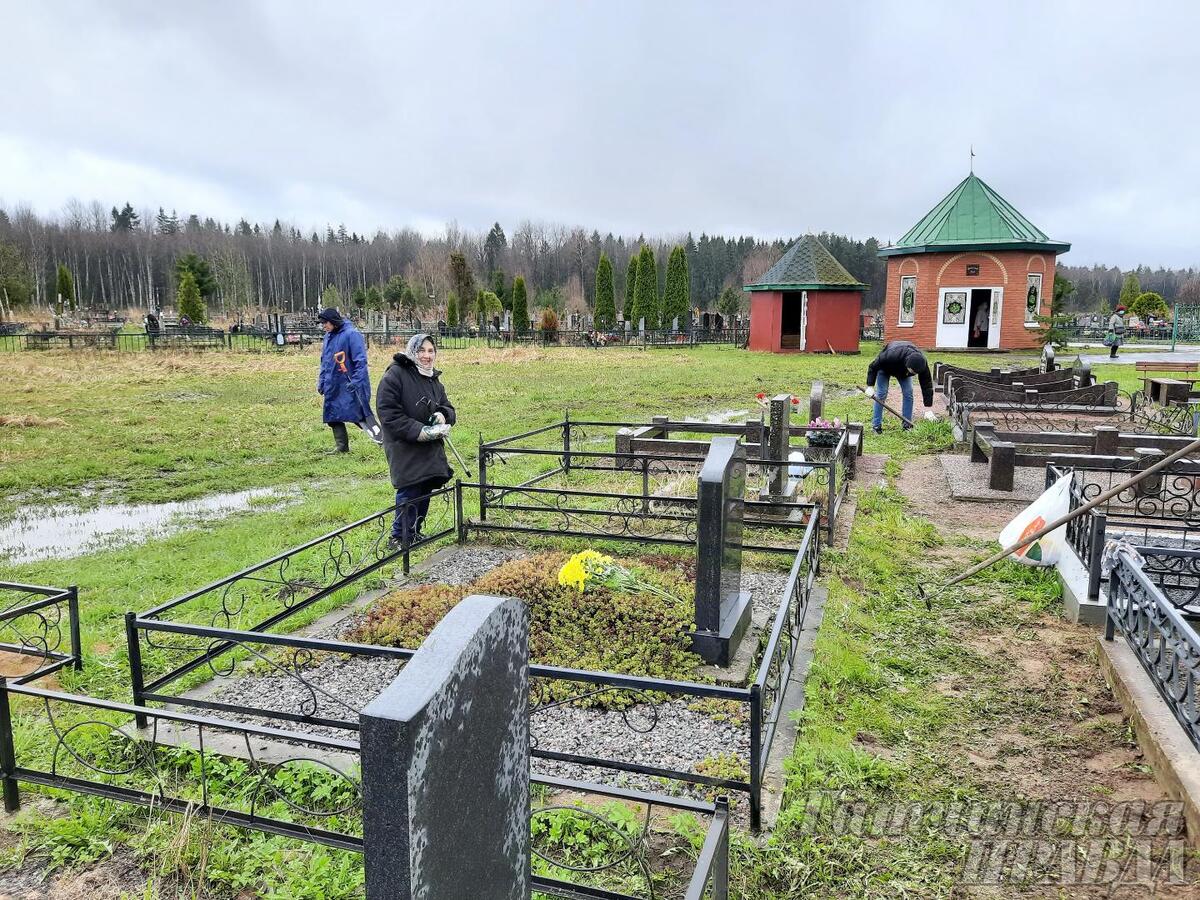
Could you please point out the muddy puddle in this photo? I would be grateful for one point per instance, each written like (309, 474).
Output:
(62, 530)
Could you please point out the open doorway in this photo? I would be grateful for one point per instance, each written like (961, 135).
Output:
(980, 317)
(791, 326)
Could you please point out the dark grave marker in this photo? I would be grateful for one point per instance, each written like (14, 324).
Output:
(445, 755)
(722, 607)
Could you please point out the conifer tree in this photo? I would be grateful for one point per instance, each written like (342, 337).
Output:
(452, 309)
(606, 308)
(1131, 289)
(520, 305)
(188, 300)
(645, 294)
(330, 298)
(677, 300)
(65, 289)
(630, 283)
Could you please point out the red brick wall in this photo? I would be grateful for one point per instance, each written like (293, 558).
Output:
(833, 320)
(766, 320)
(1001, 268)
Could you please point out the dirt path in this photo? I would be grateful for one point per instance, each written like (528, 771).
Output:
(1046, 728)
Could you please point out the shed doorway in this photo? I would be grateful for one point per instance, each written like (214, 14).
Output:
(793, 318)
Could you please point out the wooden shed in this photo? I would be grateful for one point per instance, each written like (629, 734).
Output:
(806, 302)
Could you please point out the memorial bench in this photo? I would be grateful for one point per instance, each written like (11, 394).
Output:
(1180, 372)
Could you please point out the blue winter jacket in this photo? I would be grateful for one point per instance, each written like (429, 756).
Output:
(340, 388)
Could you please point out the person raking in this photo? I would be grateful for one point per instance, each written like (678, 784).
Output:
(900, 360)
(416, 416)
(343, 379)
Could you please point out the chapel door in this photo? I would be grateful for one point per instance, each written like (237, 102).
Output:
(953, 329)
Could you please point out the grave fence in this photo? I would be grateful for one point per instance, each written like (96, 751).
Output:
(162, 652)
(1129, 412)
(1159, 629)
(41, 625)
(256, 338)
(633, 492)
(1161, 511)
(293, 784)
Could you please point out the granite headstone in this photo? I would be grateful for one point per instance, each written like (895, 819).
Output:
(445, 756)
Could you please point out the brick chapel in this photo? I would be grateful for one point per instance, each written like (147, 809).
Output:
(972, 274)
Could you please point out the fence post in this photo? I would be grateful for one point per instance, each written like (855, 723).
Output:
(73, 613)
(1099, 526)
(567, 441)
(135, 666)
(831, 496)
(755, 757)
(8, 756)
(458, 511)
(720, 880)
(1110, 628)
(482, 458)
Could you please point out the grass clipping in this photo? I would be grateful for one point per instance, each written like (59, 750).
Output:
(633, 634)
(7, 421)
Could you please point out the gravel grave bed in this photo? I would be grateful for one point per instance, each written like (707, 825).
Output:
(672, 734)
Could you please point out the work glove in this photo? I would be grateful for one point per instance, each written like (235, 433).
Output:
(431, 433)
(871, 392)
(439, 419)
(930, 416)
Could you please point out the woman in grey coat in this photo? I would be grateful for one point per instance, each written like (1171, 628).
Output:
(1116, 324)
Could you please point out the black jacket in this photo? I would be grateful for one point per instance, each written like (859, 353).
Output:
(405, 402)
(899, 359)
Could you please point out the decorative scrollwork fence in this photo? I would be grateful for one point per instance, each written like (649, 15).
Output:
(309, 788)
(40, 625)
(1159, 631)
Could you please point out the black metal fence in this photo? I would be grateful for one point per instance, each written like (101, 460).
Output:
(308, 787)
(640, 494)
(1162, 510)
(1158, 628)
(162, 652)
(449, 338)
(41, 625)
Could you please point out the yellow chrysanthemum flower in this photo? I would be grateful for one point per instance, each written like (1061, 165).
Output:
(580, 568)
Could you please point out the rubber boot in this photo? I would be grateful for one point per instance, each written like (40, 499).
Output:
(341, 440)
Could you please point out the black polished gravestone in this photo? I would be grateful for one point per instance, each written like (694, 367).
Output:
(722, 607)
(445, 763)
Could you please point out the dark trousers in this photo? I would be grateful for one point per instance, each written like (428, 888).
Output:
(412, 506)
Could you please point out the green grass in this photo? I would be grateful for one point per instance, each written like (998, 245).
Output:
(152, 428)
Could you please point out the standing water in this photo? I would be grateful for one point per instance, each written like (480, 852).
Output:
(60, 531)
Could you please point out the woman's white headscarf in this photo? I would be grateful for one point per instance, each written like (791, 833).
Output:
(414, 344)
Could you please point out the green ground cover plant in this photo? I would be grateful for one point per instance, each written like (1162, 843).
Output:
(599, 629)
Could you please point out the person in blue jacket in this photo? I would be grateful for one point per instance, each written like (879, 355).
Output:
(343, 380)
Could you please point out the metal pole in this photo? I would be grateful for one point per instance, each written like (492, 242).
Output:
(73, 613)
(1174, 325)
(135, 666)
(8, 756)
(756, 757)
(1191, 448)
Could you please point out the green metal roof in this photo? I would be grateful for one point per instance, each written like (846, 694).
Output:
(807, 265)
(973, 216)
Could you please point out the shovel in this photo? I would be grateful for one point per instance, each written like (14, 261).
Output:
(928, 596)
(462, 462)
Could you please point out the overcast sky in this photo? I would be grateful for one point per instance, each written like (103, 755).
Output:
(652, 117)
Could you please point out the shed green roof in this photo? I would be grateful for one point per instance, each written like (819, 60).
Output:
(973, 216)
(807, 265)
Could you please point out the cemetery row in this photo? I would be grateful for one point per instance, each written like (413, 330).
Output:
(1131, 554)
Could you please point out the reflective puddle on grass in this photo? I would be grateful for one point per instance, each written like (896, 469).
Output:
(63, 530)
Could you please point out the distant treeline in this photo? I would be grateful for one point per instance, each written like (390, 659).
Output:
(117, 258)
